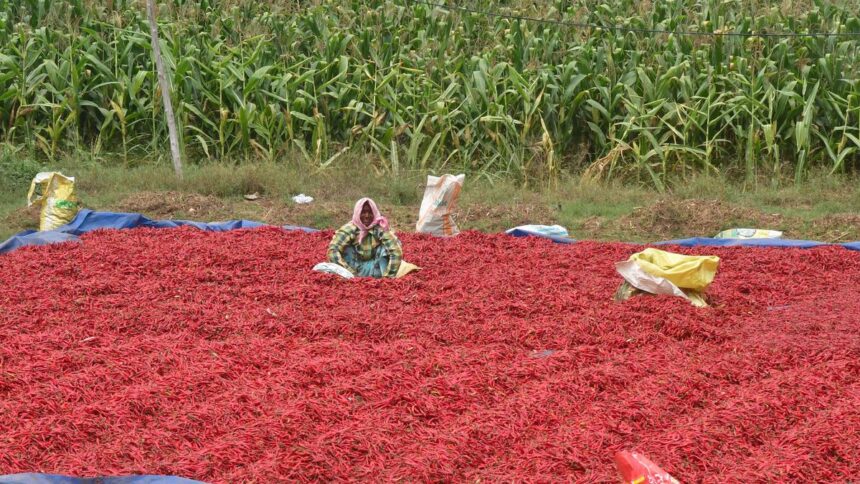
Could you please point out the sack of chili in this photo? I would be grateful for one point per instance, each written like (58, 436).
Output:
(440, 199)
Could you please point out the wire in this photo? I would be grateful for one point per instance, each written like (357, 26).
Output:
(616, 28)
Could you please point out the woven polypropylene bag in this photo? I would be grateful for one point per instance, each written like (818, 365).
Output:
(437, 207)
(56, 194)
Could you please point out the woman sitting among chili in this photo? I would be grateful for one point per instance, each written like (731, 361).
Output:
(366, 246)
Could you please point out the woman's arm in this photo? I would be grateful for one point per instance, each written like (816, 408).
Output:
(395, 252)
(341, 240)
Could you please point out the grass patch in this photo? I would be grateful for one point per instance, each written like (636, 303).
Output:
(818, 209)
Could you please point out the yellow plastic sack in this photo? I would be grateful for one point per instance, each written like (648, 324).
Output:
(685, 271)
(658, 272)
(56, 193)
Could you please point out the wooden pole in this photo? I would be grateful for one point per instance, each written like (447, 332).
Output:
(165, 89)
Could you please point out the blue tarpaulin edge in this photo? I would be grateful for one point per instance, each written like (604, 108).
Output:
(87, 220)
(32, 478)
(528, 233)
(710, 242)
(31, 237)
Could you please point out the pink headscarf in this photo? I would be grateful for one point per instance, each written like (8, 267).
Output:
(378, 219)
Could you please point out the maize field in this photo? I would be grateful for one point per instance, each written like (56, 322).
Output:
(420, 87)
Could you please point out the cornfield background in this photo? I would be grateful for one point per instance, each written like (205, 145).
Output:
(419, 87)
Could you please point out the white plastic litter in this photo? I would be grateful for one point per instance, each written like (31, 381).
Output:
(638, 278)
(303, 199)
(546, 230)
(332, 268)
(749, 234)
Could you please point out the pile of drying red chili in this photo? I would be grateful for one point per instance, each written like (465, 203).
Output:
(223, 357)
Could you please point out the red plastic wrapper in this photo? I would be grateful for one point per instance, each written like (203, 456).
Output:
(637, 469)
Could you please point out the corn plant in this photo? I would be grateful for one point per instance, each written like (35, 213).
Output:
(417, 87)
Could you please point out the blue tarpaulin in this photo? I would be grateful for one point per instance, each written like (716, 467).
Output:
(88, 220)
(707, 241)
(710, 242)
(527, 233)
(59, 479)
(32, 237)
(704, 241)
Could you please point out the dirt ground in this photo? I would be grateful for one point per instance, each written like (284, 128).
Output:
(680, 218)
(664, 219)
(176, 205)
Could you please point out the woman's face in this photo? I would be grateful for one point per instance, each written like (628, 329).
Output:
(366, 215)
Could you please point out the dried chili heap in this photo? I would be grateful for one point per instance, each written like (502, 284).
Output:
(223, 357)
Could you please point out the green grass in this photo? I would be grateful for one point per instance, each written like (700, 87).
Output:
(584, 200)
(589, 210)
